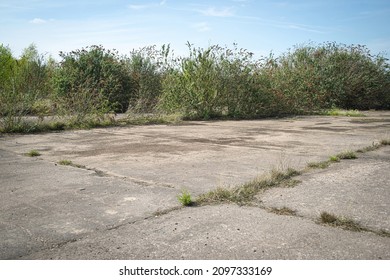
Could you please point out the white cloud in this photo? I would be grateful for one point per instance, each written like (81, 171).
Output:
(38, 21)
(213, 12)
(202, 27)
(302, 28)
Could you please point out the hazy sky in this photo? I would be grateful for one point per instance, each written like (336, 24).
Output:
(258, 25)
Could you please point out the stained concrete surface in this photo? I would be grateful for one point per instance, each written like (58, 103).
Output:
(123, 204)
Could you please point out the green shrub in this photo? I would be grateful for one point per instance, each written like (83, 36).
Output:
(331, 75)
(146, 66)
(93, 80)
(217, 82)
(22, 82)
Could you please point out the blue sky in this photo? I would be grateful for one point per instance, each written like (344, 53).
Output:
(260, 26)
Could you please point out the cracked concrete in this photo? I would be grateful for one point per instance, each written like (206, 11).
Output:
(123, 204)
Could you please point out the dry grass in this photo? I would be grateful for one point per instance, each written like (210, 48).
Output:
(246, 192)
(345, 223)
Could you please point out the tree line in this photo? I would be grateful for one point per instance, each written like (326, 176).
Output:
(216, 82)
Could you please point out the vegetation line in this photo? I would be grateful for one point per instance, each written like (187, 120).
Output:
(348, 224)
(89, 85)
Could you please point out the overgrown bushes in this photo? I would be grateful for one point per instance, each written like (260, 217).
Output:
(93, 80)
(222, 82)
(24, 83)
(214, 82)
(332, 75)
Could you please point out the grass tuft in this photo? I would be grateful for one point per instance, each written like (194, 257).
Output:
(385, 142)
(345, 223)
(185, 198)
(65, 162)
(334, 159)
(33, 153)
(348, 224)
(320, 164)
(347, 155)
(70, 163)
(246, 192)
(283, 211)
(370, 148)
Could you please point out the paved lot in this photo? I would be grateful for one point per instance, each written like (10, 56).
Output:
(122, 204)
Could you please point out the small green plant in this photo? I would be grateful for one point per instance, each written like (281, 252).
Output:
(33, 153)
(334, 159)
(185, 198)
(65, 162)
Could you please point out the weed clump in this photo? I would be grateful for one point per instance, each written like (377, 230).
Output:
(370, 148)
(334, 159)
(185, 198)
(321, 164)
(70, 163)
(385, 142)
(283, 211)
(345, 223)
(33, 153)
(347, 155)
(65, 162)
(246, 192)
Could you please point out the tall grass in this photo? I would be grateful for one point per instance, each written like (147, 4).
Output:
(216, 82)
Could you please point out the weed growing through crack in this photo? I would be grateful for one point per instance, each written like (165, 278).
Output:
(334, 159)
(385, 142)
(185, 198)
(246, 192)
(320, 164)
(383, 233)
(283, 211)
(348, 224)
(347, 155)
(370, 148)
(33, 153)
(70, 163)
(345, 223)
(65, 162)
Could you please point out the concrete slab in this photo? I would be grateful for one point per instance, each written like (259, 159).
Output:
(43, 204)
(223, 232)
(107, 209)
(358, 189)
(202, 155)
